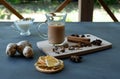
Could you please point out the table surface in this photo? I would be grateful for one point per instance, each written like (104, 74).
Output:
(100, 65)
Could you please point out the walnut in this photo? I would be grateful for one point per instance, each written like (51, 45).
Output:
(28, 52)
(21, 45)
(11, 49)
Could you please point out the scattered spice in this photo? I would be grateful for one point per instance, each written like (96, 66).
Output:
(75, 58)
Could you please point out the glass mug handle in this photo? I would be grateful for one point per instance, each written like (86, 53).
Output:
(41, 33)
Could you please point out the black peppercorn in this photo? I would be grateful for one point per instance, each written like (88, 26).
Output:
(82, 35)
(76, 35)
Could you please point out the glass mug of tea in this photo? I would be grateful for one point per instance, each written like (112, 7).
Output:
(56, 28)
(23, 26)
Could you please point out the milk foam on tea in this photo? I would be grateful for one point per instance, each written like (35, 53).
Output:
(56, 32)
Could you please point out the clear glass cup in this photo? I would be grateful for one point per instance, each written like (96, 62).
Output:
(56, 28)
(23, 26)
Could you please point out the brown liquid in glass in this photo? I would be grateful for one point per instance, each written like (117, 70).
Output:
(56, 34)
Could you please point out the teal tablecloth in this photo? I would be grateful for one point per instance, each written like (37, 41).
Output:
(100, 65)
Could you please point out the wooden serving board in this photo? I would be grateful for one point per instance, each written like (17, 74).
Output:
(47, 48)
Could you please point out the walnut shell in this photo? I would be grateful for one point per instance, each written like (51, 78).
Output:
(21, 45)
(28, 52)
(11, 49)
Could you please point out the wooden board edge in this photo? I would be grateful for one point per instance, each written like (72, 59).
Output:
(85, 52)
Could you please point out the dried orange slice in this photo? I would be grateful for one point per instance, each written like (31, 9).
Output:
(42, 60)
(49, 64)
(51, 61)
